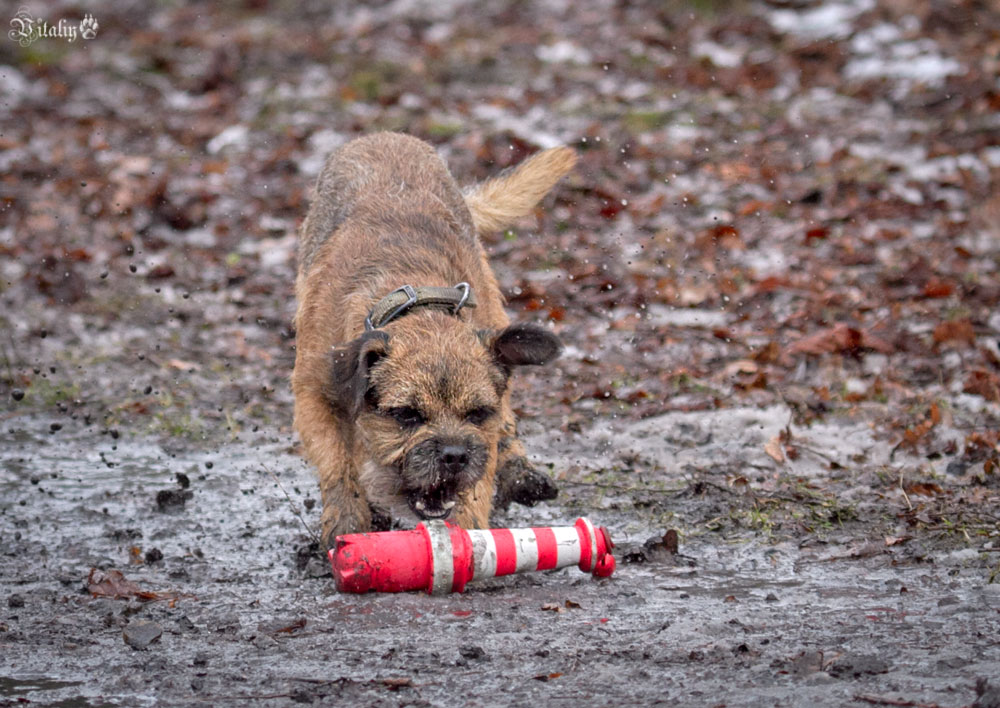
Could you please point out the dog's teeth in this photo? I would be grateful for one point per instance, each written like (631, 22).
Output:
(420, 505)
(448, 505)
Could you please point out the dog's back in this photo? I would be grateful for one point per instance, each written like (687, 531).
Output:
(379, 178)
(393, 182)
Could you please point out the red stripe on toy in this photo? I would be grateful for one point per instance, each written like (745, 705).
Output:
(548, 551)
(506, 551)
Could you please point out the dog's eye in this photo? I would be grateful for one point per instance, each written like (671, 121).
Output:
(478, 416)
(406, 416)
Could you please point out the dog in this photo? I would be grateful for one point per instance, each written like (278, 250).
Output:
(403, 350)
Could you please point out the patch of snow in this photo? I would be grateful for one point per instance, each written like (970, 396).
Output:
(720, 56)
(829, 20)
(930, 69)
(16, 87)
(662, 315)
(321, 144)
(235, 136)
(563, 52)
(881, 52)
(946, 167)
(528, 127)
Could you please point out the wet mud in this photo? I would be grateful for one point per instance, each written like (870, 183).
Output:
(220, 598)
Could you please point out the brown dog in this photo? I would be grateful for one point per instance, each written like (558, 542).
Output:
(401, 395)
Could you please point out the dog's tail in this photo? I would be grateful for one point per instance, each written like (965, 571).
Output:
(498, 203)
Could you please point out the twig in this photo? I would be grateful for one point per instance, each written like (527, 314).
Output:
(295, 508)
(909, 505)
(879, 701)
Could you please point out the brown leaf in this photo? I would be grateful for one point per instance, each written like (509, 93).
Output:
(553, 607)
(843, 339)
(572, 605)
(740, 366)
(911, 436)
(546, 677)
(396, 682)
(183, 365)
(775, 449)
(923, 489)
(818, 233)
(113, 583)
(938, 288)
(983, 383)
(293, 627)
(671, 542)
(960, 331)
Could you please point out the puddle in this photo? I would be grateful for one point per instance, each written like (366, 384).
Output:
(33, 690)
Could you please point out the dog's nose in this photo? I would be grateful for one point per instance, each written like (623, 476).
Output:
(454, 458)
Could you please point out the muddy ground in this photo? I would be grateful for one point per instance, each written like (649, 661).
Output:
(775, 272)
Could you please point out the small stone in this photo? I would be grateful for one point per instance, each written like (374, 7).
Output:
(956, 467)
(17, 394)
(200, 659)
(139, 634)
(470, 651)
(15, 601)
(154, 555)
(171, 499)
(857, 665)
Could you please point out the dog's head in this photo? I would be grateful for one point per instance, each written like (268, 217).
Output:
(423, 396)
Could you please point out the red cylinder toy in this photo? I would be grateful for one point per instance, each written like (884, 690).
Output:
(440, 557)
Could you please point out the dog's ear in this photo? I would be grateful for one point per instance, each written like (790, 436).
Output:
(348, 384)
(524, 344)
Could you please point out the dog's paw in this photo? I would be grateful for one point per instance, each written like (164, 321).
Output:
(519, 481)
(339, 523)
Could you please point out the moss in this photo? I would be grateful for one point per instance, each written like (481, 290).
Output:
(646, 121)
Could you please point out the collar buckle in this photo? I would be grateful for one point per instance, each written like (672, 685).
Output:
(411, 300)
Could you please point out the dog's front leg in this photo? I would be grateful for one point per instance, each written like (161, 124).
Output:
(345, 506)
(517, 480)
(477, 503)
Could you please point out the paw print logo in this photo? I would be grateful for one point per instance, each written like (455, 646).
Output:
(88, 27)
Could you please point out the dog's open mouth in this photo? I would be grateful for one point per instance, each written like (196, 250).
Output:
(430, 505)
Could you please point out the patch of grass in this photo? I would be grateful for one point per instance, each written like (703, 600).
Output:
(375, 80)
(45, 392)
(442, 130)
(645, 121)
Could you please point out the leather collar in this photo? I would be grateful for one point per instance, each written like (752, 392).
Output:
(403, 299)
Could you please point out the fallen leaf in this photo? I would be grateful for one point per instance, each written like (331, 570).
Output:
(955, 331)
(911, 436)
(572, 605)
(936, 287)
(396, 683)
(740, 366)
(553, 607)
(923, 489)
(183, 365)
(775, 449)
(113, 583)
(843, 339)
(293, 627)
(983, 383)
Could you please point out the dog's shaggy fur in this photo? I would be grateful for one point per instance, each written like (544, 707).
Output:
(412, 419)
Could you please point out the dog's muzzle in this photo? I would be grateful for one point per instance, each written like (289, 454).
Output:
(437, 471)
